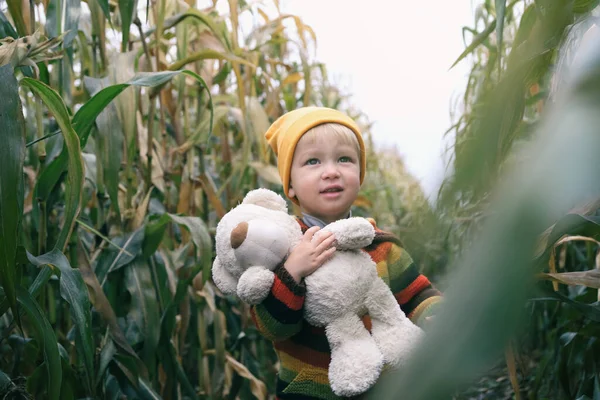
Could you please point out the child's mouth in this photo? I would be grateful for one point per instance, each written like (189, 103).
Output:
(333, 191)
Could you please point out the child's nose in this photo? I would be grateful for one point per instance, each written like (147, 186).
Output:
(331, 170)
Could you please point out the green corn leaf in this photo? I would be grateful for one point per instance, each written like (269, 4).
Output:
(479, 39)
(105, 309)
(127, 11)
(74, 291)
(202, 241)
(591, 312)
(75, 164)
(47, 339)
(85, 117)
(109, 143)
(12, 158)
(105, 9)
(201, 17)
(145, 308)
(106, 355)
(584, 6)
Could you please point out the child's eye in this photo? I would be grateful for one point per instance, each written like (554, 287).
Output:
(312, 161)
(345, 159)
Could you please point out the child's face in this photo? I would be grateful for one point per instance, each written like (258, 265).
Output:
(325, 177)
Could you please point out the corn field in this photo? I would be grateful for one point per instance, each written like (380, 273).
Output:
(130, 128)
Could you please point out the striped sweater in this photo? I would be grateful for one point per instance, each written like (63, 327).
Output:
(303, 349)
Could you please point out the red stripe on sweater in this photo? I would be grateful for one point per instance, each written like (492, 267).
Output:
(415, 287)
(304, 354)
(285, 295)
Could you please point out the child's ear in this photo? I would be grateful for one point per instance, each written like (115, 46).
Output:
(291, 192)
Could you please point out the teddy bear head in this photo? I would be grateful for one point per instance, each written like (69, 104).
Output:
(258, 232)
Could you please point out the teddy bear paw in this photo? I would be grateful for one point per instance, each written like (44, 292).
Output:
(355, 367)
(255, 284)
(396, 351)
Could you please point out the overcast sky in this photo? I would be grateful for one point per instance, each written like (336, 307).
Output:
(394, 56)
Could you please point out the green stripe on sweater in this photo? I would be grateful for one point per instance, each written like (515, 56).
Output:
(275, 330)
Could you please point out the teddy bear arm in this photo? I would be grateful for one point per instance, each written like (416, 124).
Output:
(351, 233)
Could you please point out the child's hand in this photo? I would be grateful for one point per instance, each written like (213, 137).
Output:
(310, 254)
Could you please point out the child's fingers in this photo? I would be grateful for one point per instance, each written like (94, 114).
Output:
(310, 232)
(326, 255)
(325, 244)
(322, 236)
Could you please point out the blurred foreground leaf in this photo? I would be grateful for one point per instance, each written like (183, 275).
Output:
(486, 298)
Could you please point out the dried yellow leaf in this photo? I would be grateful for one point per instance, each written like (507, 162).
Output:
(257, 387)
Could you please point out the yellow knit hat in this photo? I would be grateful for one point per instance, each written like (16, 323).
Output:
(287, 130)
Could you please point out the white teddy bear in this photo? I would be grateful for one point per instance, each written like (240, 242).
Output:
(256, 236)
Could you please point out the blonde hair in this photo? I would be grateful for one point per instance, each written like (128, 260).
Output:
(333, 131)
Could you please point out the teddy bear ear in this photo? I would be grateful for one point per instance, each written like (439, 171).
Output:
(266, 198)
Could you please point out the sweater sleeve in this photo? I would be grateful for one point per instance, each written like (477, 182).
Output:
(279, 316)
(415, 294)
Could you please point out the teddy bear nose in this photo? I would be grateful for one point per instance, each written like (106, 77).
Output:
(238, 234)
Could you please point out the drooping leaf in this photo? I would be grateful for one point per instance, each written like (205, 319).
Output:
(208, 54)
(75, 164)
(478, 40)
(74, 291)
(103, 307)
(257, 387)
(84, 119)
(201, 17)
(571, 224)
(47, 339)
(589, 278)
(12, 158)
